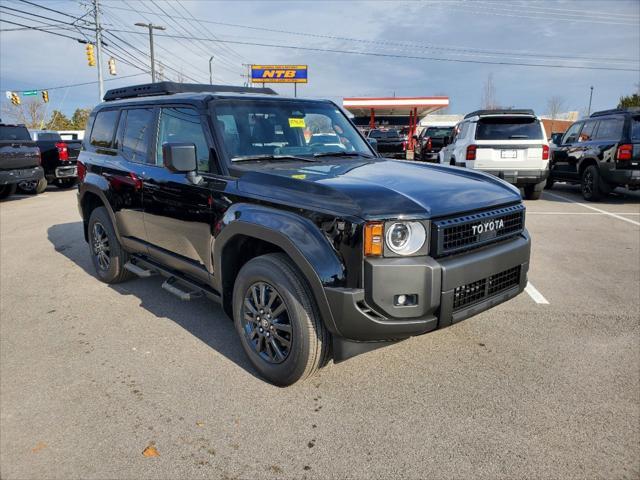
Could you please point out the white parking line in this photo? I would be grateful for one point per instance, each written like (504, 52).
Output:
(562, 197)
(535, 295)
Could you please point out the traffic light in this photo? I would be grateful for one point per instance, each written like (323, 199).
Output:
(45, 96)
(112, 66)
(15, 98)
(91, 59)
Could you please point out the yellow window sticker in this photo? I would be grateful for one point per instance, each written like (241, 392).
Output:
(299, 176)
(296, 122)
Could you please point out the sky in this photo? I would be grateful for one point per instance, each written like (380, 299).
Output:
(378, 48)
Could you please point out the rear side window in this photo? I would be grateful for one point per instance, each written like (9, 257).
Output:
(136, 133)
(103, 129)
(14, 133)
(464, 128)
(509, 128)
(635, 129)
(610, 129)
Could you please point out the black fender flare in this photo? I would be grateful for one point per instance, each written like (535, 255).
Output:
(297, 236)
(93, 186)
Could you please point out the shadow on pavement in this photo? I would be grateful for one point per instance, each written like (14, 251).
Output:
(51, 189)
(620, 196)
(202, 318)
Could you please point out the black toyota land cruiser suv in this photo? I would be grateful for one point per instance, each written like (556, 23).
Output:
(600, 153)
(311, 248)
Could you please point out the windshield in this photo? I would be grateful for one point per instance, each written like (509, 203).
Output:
(14, 133)
(437, 132)
(384, 134)
(509, 128)
(281, 128)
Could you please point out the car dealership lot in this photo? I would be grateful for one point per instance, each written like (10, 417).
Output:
(91, 375)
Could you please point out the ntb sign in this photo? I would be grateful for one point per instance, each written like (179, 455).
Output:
(279, 73)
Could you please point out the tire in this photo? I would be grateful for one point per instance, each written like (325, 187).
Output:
(33, 187)
(271, 280)
(530, 192)
(7, 190)
(103, 240)
(549, 183)
(590, 184)
(64, 183)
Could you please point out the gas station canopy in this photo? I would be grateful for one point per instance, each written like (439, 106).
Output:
(392, 106)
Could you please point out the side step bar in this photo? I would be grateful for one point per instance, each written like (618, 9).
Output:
(179, 285)
(170, 286)
(136, 270)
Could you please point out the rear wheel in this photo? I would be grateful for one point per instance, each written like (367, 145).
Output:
(549, 183)
(277, 320)
(107, 254)
(590, 184)
(33, 187)
(533, 192)
(6, 190)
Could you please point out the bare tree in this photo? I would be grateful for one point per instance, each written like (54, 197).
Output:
(489, 94)
(32, 112)
(555, 106)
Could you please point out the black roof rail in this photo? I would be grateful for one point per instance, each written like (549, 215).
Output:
(613, 111)
(500, 111)
(168, 88)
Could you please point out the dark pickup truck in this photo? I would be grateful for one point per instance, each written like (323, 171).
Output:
(59, 158)
(430, 141)
(311, 248)
(389, 142)
(19, 158)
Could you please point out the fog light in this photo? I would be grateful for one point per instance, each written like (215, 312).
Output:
(405, 300)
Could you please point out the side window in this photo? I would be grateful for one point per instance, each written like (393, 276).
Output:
(182, 125)
(138, 124)
(571, 135)
(610, 129)
(586, 135)
(462, 131)
(635, 129)
(104, 127)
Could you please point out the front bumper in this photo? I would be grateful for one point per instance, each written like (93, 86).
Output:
(520, 177)
(442, 287)
(7, 177)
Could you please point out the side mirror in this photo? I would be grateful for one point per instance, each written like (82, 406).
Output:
(179, 157)
(373, 142)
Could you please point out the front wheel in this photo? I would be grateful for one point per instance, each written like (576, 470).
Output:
(107, 254)
(277, 320)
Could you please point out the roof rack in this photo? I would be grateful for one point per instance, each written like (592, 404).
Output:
(168, 88)
(481, 113)
(614, 111)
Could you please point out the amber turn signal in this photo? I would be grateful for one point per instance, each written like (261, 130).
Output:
(373, 238)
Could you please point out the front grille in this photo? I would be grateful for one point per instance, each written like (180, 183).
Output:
(474, 292)
(453, 235)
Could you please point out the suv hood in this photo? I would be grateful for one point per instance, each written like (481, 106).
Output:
(376, 189)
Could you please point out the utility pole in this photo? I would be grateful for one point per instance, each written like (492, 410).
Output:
(210, 70)
(590, 98)
(151, 27)
(96, 14)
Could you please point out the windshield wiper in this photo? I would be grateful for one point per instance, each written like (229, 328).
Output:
(342, 154)
(249, 158)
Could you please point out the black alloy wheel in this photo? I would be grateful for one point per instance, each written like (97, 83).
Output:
(266, 323)
(100, 246)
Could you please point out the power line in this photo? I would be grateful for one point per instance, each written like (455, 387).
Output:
(30, 27)
(72, 85)
(411, 57)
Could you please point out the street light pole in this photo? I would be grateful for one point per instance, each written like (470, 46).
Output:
(210, 71)
(590, 98)
(151, 27)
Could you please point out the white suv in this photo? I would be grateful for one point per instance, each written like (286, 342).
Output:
(510, 144)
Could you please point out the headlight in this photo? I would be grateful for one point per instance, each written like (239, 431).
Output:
(405, 238)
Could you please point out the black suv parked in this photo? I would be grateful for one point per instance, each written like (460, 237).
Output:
(309, 246)
(600, 153)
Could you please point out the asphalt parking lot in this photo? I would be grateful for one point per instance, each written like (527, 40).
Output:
(92, 375)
